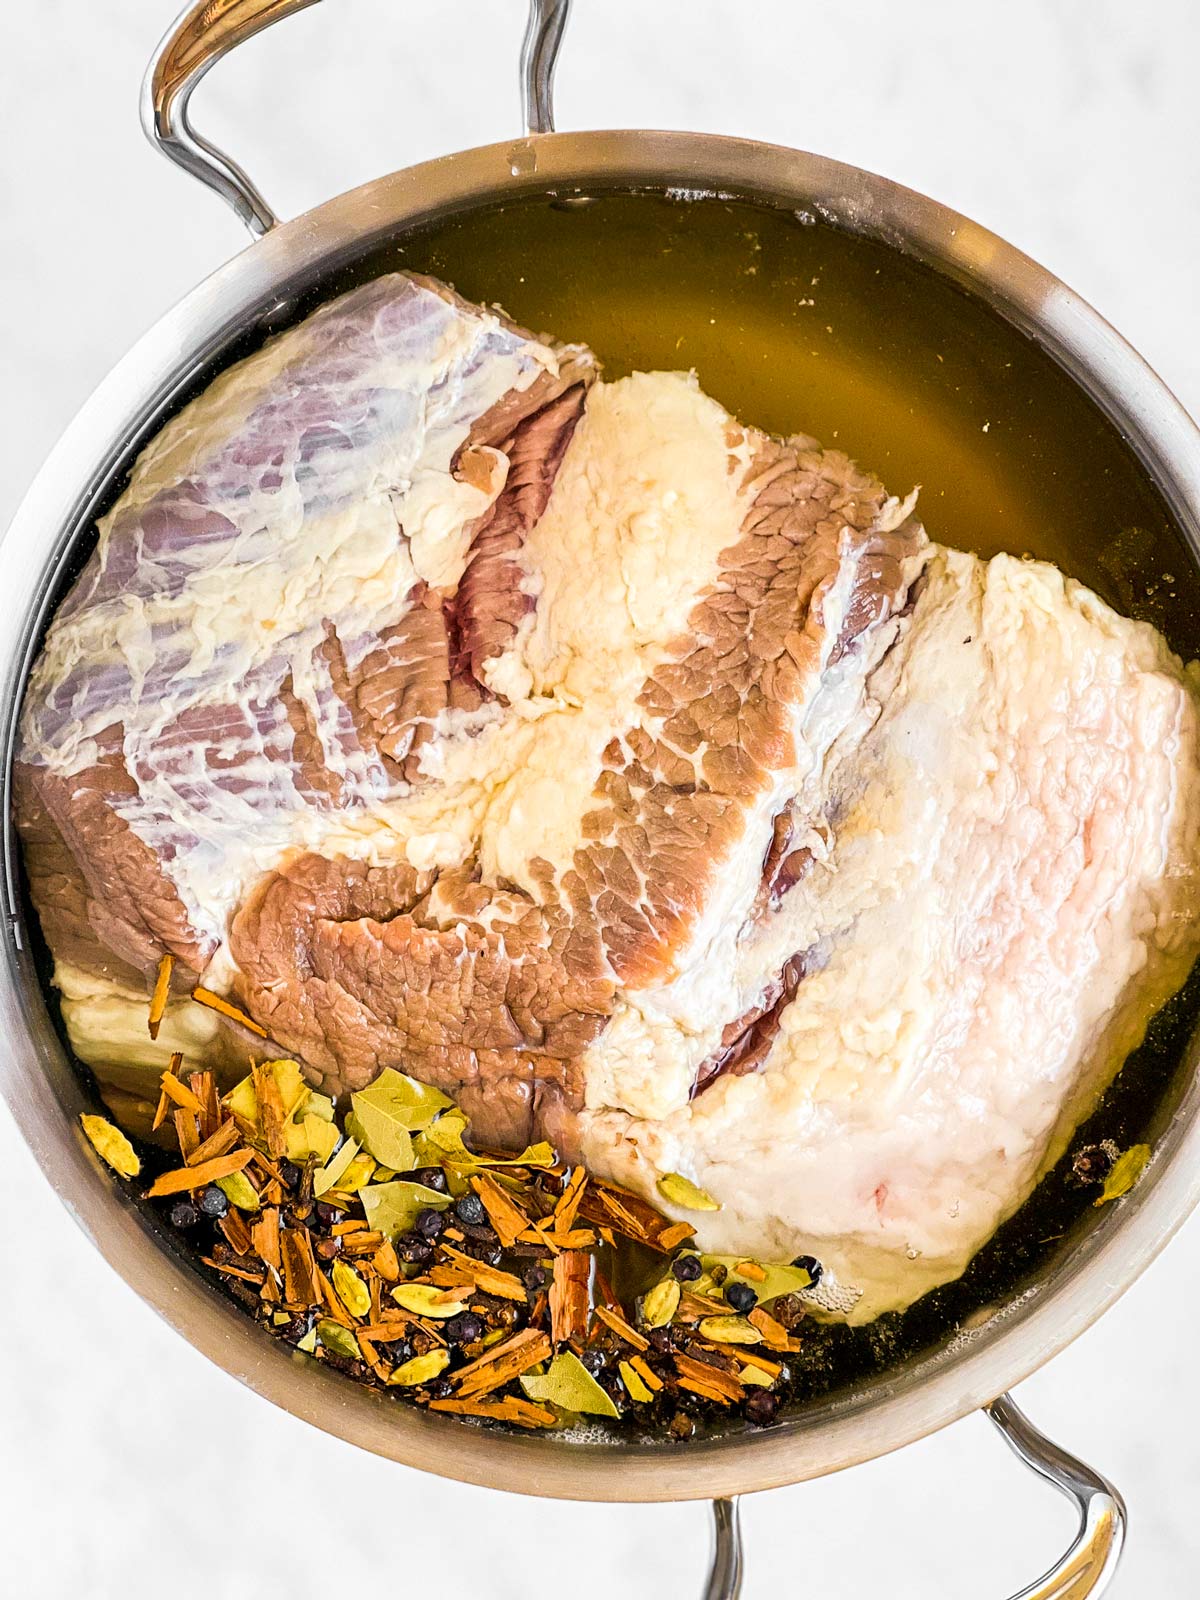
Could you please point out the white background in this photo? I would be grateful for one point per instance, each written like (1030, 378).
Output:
(128, 1465)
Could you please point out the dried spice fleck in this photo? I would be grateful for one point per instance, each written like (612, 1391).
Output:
(111, 1145)
(162, 989)
(421, 1369)
(200, 1176)
(569, 1296)
(239, 1191)
(467, 1282)
(730, 1330)
(338, 1339)
(1126, 1170)
(216, 1002)
(426, 1300)
(661, 1303)
(351, 1290)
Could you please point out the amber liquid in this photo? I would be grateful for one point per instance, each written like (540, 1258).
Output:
(802, 328)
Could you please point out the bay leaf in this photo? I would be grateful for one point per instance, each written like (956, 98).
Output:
(568, 1384)
(443, 1138)
(441, 1144)
(381, 1132)
(682, 1192)
(291, 1083)
(326, 1177)
(637, 1389)
(243, 1101)
(542, 1154)
(314, 1136)
(392, 1208)
(317, 1105)
(289, 1080)
(358, 1174)
(779, 1278)
(412, 1104)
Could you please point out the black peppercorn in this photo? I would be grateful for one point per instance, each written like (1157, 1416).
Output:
(290, 1173)
(790, 1310)
(432, 1178)
(534, 1277)
(687, 1268)
(465, 1328)
(184, 1214)
(411, 1247)
(213, 1202)
(593, 1360)
(1092, 1164)
(429, 1222)
(485, 1250)
(761, 1407)
(812, 1266)
(741, 1296)
(470, 1209)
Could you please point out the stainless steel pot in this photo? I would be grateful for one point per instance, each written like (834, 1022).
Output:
(1007, 1341)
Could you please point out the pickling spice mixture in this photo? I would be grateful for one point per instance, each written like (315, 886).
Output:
(509, 1288)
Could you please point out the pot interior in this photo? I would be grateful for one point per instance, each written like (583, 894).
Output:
(797, 324)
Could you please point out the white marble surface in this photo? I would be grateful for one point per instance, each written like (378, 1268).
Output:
(1071, 128)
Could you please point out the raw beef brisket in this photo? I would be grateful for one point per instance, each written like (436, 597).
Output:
(639, 779)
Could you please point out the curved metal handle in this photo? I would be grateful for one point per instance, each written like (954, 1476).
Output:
(208, 29)
(725, 1573)
(539, 57)
(1090, 1565)
(201, 35)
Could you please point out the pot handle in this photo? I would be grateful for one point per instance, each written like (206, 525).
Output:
(205, 31)
(208, 29)
(1088, 1566)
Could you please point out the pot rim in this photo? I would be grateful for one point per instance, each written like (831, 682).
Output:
(896, 1406)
